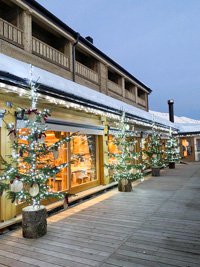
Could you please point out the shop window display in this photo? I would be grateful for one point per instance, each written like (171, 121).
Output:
(83, 159)
(61, 181)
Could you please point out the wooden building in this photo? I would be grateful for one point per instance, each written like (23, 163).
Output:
(84, 89)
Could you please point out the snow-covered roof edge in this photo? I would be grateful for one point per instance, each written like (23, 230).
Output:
(22, 70)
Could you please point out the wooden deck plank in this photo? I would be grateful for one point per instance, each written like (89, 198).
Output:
(158, 224)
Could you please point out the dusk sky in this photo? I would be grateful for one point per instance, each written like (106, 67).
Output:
(157, 41)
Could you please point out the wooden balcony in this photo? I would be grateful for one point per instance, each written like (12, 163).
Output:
(114, 87)
(49, 53)
(141, 102)
(86, 72)
(11, 33)
(129, 95)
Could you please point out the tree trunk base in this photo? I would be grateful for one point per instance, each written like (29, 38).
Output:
(125, 185)
(34, 222)
(172, 165)
(155, 171)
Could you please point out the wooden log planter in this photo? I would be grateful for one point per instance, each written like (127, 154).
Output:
(34, 222)
(155, 171)
(124, 185)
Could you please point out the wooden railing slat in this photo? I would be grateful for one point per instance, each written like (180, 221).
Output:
(86, 72)
(50, 53)
(11, 32)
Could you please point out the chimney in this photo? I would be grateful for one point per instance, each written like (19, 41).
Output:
(89, 39)
(171, 110)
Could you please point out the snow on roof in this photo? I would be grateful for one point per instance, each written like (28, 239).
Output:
(22, 70)
(176, 118)
(184, 124)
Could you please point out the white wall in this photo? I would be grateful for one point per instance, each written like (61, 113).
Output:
(197, 153)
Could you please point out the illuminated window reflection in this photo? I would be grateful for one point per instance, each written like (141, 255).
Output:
(83, 157)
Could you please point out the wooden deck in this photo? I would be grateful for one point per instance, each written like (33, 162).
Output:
(158, 224)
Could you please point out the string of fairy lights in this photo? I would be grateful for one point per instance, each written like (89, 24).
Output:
(70, 105)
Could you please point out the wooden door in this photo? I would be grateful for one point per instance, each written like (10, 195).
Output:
(187, 148)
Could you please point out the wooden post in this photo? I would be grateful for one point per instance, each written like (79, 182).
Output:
(104, 155)
(123, 87)
(136, 94)
(68, 52)
(103, 78)
(26, 26)
(8, 209)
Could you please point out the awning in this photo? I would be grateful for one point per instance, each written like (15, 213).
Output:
(54, 124)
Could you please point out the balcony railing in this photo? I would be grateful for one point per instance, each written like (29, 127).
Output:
(86, 72)
(114, 87)
(129, 95)
(141, 101)
(49, 53)
(11, 33)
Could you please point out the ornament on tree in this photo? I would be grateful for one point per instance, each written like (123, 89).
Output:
(154, 156)
(131, 148)
(66, 202)
(13, 135)
(55, 152)
(16, 185)
(32, 115)
(41, 138)
(34, 189)
(127, 127)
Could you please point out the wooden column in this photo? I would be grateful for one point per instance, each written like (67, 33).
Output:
(136, 94)
(25, 24)
(146, 102)
(104, 155)
(123, 87)
(103, 78)
(68, 52)
(8, 210)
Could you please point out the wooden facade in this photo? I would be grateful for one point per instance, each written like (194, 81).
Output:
(39, 41)
(32, 38)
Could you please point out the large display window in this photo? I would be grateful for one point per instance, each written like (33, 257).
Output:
(81, 152)
(83, 159)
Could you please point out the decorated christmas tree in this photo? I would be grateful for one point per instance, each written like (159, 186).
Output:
(125, 164)
(153, 149)
(25, 178)
(172, 150)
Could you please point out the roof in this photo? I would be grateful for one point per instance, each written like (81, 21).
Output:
(176, 118)
(44, 12)
(184, 124)
(13, 71)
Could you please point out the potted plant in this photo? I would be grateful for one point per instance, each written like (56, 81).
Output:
(153, 150)
(25, 178)
(172, 151)
(124, 166)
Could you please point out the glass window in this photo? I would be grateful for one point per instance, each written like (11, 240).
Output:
(61, 181)
(198, 144)
(83, 158)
